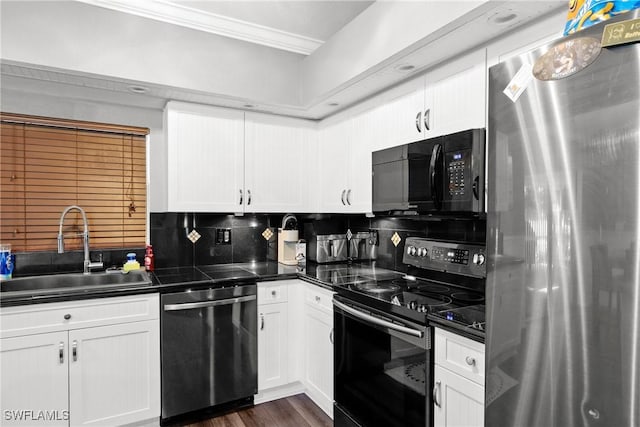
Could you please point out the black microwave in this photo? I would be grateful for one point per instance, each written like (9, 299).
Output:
(442, 174)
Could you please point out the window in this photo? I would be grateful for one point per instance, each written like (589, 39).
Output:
(49, 164)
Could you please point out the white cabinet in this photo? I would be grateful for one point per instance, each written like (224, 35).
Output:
(280, 330)
(280, 156)
(96, 361)
(273, 334)
(205, 158)
(35, 377)
(458, 381)
(344, 176)
(223, 160)
(459, 100)
(318, 346)
(445, 100)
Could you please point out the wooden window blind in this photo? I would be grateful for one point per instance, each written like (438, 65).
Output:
(49, 164)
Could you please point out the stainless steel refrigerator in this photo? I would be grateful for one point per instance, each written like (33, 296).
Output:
(563, 231)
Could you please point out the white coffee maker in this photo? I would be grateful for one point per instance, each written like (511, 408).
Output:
(288, 240)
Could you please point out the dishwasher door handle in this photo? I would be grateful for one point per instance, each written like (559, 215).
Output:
(192, 305)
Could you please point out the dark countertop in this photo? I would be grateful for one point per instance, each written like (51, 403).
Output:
(177, 279)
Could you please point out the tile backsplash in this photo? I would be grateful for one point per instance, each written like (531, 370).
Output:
(173, 248)
(247, 242)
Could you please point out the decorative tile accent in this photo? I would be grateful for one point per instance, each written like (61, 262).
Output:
(193, 236)
(396, 239)
(267, 234)
(349, 234)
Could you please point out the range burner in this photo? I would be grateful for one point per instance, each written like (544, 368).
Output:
(467, 297)
(376, 288)
(434, 288)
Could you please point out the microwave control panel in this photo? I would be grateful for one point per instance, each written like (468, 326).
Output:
(457, 166)
(460, 258)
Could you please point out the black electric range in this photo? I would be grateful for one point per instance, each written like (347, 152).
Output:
(456, 295)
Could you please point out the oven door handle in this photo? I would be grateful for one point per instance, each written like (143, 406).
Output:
(377, 321)
(192, 305)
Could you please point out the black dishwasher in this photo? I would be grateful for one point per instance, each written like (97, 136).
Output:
(209, 346)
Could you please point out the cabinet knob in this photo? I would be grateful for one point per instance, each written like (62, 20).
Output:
(470, 361)
(273, 293)
(317, 298)
(67, 316)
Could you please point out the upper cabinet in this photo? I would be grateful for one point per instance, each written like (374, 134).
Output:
(279, 152)
(344, 176)
(222, 160)
(205, 158)
(447, 99)
(458, 102)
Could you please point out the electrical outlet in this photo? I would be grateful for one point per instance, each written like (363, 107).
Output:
(223, 236)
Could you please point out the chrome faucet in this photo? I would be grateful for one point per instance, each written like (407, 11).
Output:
(88, 265)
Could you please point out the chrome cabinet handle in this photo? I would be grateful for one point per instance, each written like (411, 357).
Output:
(436, 392)
(331, 336)
(261, 322)
(74, 350)
(342, 197)
(61, 352)
(248, 197)
(348, 196)
(240, 197)
(67, 316)
(418, 126)
(427, 114)
(470, 361)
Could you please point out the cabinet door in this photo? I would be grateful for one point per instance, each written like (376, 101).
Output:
(335, 158)
(459, 401)
(272, 345)
(319, 357)
(359, 195)
(114, 376)
(34, 382)
(205, 158)
(459, 100)
(277, 153)
(404, 116)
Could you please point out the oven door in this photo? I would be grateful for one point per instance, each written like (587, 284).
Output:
(383, 368)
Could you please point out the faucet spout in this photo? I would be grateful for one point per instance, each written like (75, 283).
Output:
(85, 236)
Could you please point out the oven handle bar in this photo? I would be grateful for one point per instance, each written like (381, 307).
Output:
(192, 305)
(377, 321)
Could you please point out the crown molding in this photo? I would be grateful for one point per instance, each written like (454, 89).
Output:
(172, 13)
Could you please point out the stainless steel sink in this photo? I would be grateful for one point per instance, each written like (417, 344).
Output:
(77, 281)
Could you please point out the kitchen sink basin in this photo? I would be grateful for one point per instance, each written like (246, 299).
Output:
(79, 281)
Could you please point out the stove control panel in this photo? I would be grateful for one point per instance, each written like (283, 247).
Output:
(460, 258)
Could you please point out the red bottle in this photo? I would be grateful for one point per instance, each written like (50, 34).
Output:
(148, 259)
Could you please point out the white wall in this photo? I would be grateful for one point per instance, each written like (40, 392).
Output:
(75, 36)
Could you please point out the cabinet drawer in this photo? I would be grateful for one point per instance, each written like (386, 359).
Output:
(271, 293)
(460, 355)
(318, 297)
(59, 316)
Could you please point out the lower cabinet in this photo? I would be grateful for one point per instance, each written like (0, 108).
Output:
(458, 381)
(295, 349)
(318, 345)
(98, 375)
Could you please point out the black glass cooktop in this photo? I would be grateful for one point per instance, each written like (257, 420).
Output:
(415, 299)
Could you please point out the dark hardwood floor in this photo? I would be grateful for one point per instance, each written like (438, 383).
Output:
(294, 411)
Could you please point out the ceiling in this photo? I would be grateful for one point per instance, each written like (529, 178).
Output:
(314, 19)
(306, 59)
